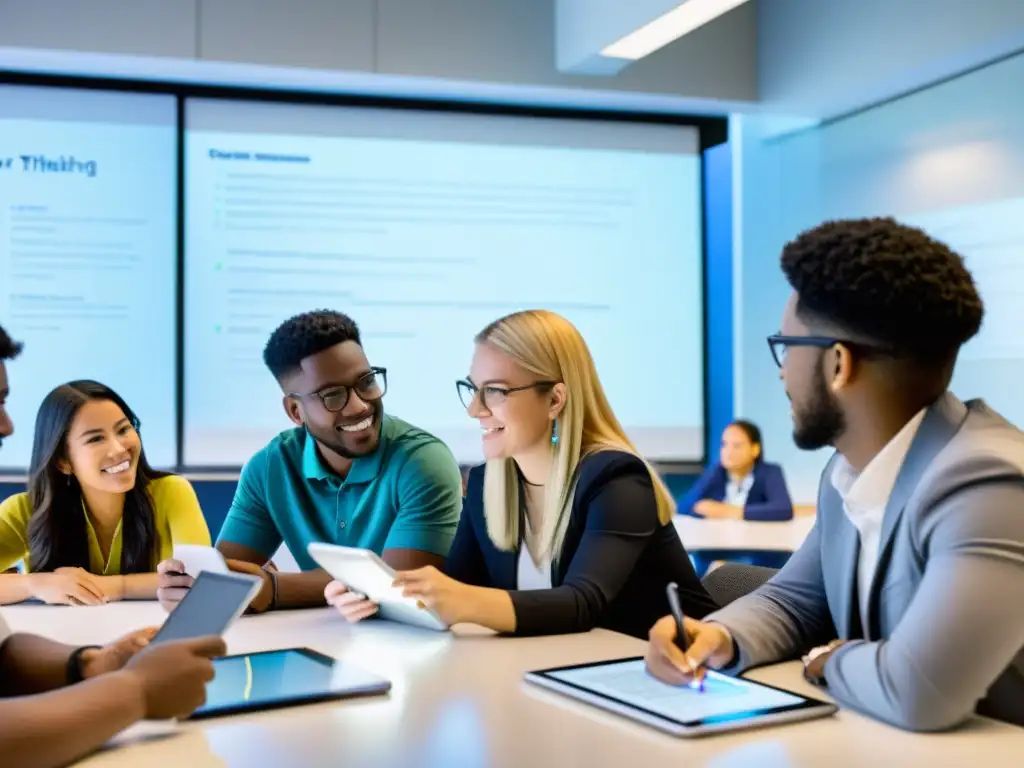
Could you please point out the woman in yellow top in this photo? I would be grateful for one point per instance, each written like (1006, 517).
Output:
(96, 518)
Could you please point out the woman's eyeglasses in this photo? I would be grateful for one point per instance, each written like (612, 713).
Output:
(492, 395)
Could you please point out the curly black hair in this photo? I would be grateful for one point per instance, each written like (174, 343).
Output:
(9, 348)
(886, 283)
(304, 335)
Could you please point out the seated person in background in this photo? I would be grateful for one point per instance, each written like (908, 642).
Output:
(347, 474)
(567, 528)
(907, 595)
(97, 518)
(58, 703)
(742, 486)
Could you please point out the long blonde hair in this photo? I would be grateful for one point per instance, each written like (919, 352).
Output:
(549, 346)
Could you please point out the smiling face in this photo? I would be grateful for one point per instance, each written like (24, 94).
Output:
(102, 448)
(318, 386)
(516, 423)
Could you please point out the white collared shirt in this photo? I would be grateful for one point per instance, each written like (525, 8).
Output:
(5, 631)
(736, 493)
(865, 497)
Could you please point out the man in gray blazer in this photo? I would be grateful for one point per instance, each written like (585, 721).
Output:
(907, 598)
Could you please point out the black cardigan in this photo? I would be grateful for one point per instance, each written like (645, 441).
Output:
(614, 566)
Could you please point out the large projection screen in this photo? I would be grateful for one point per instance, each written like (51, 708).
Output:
(424, 226)
(88, 253)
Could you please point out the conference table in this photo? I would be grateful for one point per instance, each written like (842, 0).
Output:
(459, 699)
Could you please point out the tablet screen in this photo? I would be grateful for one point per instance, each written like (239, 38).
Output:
(723, 698)
(209, 606)
(275, 678)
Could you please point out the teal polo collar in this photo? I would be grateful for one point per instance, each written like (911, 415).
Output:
(364, 469)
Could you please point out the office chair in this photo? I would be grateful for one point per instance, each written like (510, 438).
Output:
(730, 581)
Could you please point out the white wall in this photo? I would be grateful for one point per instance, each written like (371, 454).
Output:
(958, 143)
(828, 57)
(774, 198)
(499, 41)
(803, 57)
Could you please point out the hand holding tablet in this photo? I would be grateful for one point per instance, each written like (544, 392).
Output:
(254, 681)
(173, 676)
(173, 583)
(353, 606)
(196, 558)
(362, 571)
(214, 601)
(177, 575)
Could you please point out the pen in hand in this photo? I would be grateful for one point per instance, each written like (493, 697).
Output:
(681, 640)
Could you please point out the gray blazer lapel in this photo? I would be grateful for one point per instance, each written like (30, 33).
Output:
(840, 541)
(848, 615)
(940, 423)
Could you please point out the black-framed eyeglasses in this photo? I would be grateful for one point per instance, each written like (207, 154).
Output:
(491, 395)
(370, 386)
(778, 344)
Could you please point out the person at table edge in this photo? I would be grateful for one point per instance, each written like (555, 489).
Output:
(60, 702)
(566, 527)
(906, 598)
(742, 485)
(347, 474)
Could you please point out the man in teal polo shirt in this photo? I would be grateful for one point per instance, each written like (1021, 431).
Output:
(347, 474)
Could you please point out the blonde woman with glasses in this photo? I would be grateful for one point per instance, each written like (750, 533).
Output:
(566, 527)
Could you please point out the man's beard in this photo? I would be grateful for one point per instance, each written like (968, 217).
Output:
(331, 438)
(821, 422)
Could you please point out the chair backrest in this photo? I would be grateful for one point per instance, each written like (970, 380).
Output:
(731, 581)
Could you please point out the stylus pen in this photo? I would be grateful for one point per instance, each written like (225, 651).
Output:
(672, 590)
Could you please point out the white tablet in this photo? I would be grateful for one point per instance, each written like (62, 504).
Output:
(196, 558)
(624, 686)
(363, 571)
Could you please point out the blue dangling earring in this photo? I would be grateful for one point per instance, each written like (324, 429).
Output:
(554, 432)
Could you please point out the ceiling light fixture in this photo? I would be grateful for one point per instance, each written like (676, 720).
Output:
(670, 26)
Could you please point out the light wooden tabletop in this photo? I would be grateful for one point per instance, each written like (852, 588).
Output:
(459, 700)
